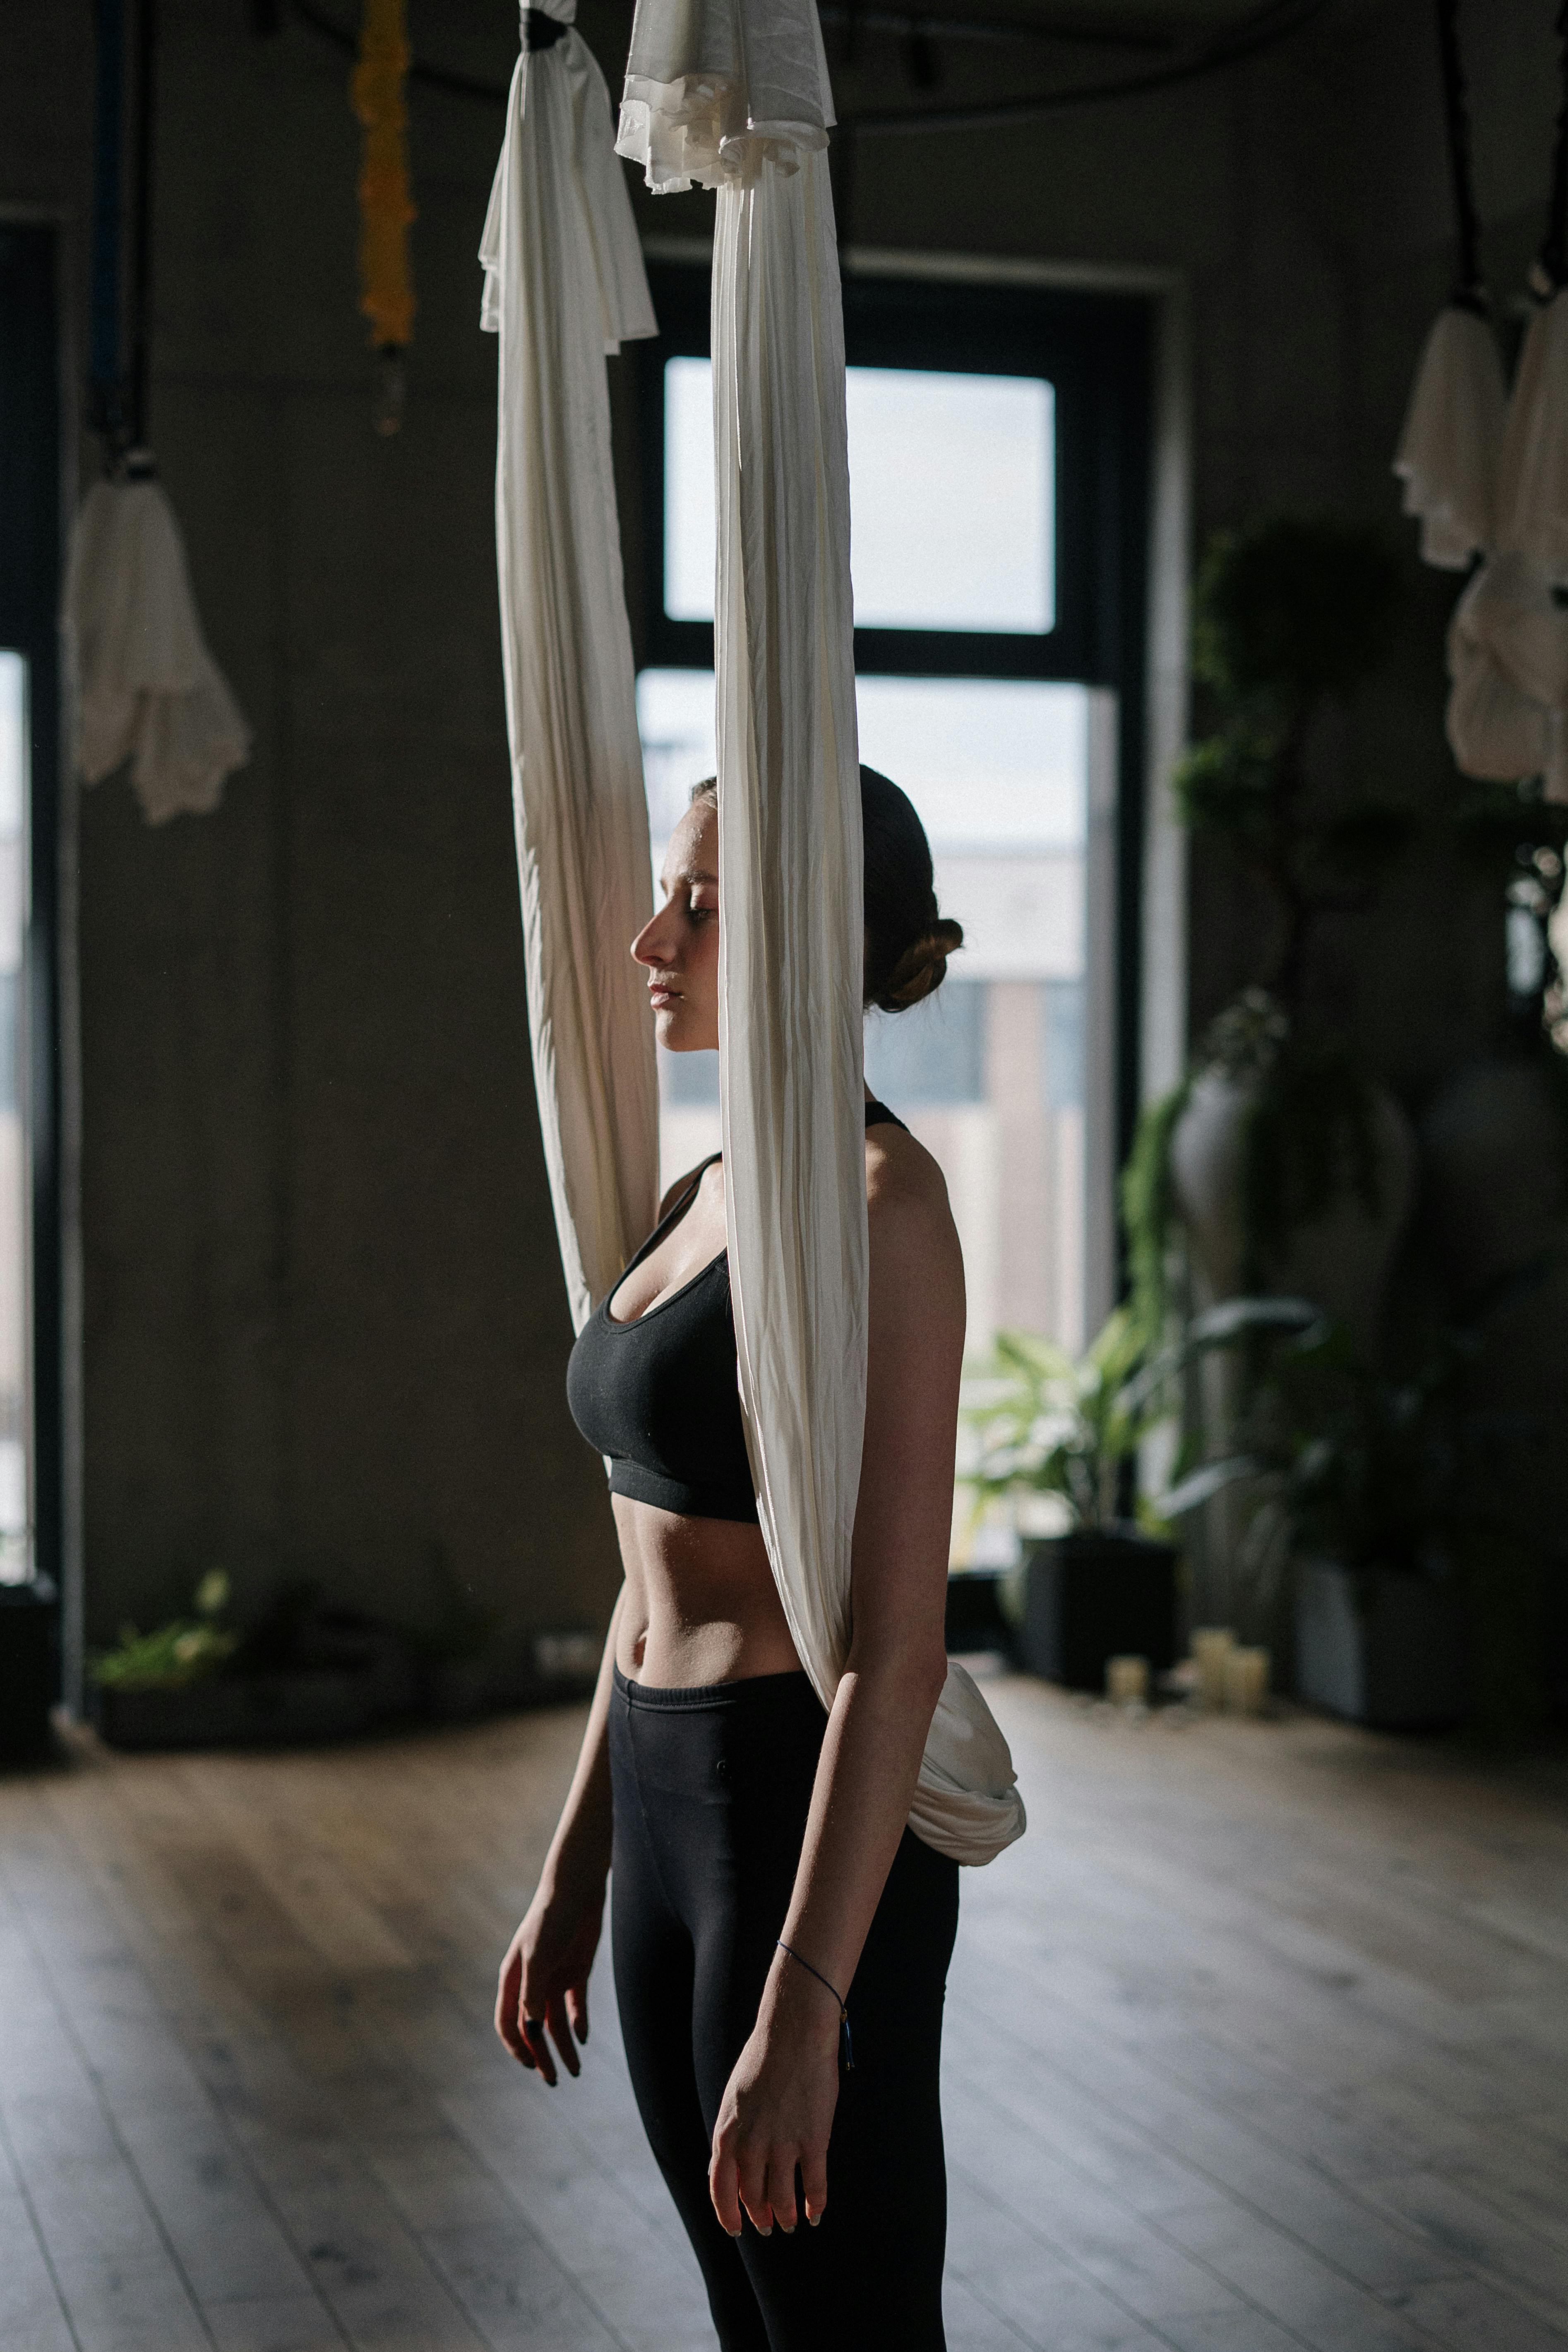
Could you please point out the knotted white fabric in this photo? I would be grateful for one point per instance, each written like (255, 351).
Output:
(1452, 439)
(736, 96)
(144, 687)
(565, 284)
(1508, 642)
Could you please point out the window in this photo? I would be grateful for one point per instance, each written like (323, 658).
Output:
(34, 1373)
(15, 1544)
(995, 453)
(974, 551)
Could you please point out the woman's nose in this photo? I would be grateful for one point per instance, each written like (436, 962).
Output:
(652, 945)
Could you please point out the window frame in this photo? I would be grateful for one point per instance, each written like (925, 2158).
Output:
(1097, 348)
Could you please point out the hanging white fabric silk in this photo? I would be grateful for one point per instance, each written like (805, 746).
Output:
(1448, 450)
(565, 283)
(735, 96)
(1508, 640)
(145, 688)
(1534, 492)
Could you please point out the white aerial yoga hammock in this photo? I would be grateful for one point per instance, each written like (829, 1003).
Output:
(565, 283)
(1508, 640)
(736, 96)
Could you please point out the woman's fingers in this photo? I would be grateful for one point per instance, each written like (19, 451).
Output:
(724, 2184)
(814, 2182)
(577, 2009)
(560, 2026)
(508, 1992)
(751, 2164)
(537, 2040)
(782, 2164)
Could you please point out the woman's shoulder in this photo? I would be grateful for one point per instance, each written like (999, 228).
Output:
(904, 1184)
(706, 1177)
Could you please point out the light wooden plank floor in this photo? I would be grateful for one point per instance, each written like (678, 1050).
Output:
(1258, 2040)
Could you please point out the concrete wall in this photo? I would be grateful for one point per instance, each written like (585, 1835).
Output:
(325, 1325)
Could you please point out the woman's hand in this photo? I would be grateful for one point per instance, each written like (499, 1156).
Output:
(777, 2109)
(544, 1978)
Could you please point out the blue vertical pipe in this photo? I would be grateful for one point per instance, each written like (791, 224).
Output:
(106, 361)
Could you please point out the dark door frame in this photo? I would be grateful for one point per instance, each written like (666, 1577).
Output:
(32, 476)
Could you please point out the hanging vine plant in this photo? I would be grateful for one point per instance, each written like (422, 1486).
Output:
(379, 90)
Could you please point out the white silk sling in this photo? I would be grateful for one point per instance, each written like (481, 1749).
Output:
(565, 283)
(734, 94)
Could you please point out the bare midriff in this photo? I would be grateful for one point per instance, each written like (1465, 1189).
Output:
(700, 1605)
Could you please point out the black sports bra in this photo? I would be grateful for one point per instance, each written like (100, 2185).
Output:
(658, 1395)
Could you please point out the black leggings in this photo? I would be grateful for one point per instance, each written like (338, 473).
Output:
(712, 1791)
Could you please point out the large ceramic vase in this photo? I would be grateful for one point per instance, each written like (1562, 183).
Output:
(1340, 1258)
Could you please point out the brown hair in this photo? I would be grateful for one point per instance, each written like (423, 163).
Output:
(907, 942)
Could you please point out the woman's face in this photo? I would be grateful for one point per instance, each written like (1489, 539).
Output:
(680, 947)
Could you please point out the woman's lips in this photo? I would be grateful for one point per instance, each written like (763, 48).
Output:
(660, 997)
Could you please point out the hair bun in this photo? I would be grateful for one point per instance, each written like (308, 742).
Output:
(922, 967)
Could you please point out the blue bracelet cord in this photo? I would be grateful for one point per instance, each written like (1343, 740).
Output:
(790, 1953)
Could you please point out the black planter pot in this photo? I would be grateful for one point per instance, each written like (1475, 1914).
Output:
(975, 1619)
(241, 1711)
(1384, 1650)
(29, 1668)
(1088, 1597)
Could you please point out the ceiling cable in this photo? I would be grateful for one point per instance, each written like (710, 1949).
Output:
(1178, 61)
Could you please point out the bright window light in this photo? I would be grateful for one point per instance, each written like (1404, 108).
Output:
(996, 768)
(953, 491)
(994, 765)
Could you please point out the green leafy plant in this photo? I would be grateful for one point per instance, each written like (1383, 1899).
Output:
(1373, 1470)
(187, 1650)
(1044, 1423)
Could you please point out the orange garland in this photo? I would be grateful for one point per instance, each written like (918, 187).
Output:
(386, 208)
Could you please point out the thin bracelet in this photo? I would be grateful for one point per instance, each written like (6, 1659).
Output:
(843, 2012)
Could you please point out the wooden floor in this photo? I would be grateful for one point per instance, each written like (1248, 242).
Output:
(1259, 2039)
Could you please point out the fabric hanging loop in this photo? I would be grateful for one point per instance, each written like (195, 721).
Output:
(734, 94)
(1451, 440)
(565, 284)
(1553, 261)
(144, 687)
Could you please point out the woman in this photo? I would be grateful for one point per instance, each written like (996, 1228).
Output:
(781, 1937)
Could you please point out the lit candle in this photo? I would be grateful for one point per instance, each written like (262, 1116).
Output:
(1212, 1646)
(1246, 1681)
(1127, 1681)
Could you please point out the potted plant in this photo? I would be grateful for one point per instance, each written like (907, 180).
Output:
(29, 1667)
(1285, 1165)
(1375, 1488)
(149, 1689)
(1042, 1428)
(304, 1672)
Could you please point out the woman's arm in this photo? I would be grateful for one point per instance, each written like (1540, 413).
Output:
(545, 1974)
(777, 2110)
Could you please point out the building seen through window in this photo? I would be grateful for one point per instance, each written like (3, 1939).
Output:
(989, 1071)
